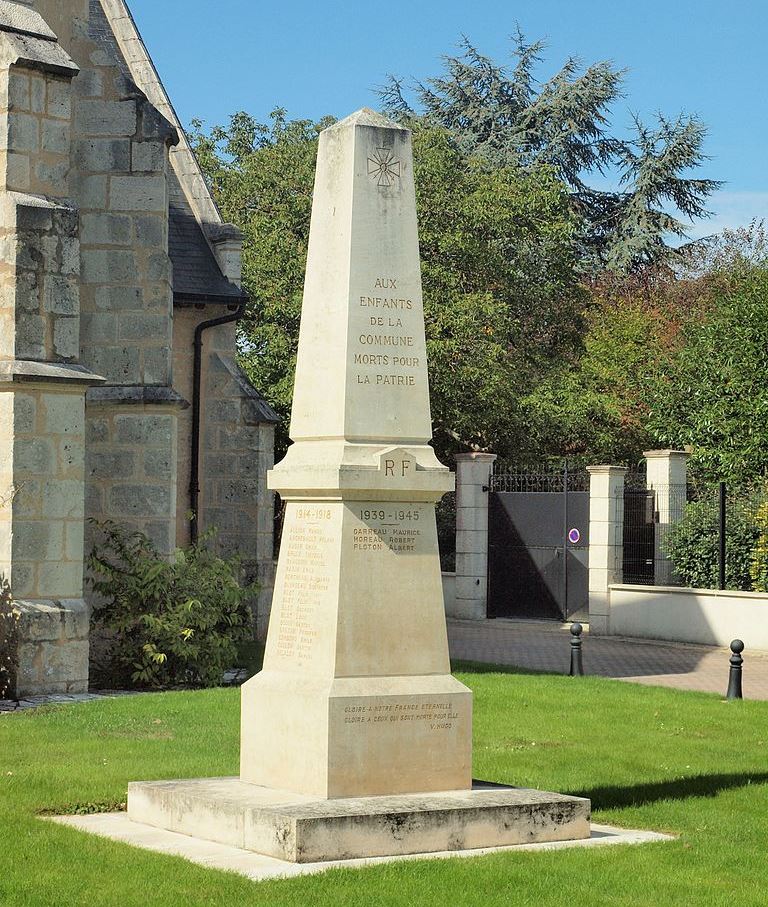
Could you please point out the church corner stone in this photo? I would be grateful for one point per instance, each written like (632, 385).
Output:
(113, 254)
(356, 663)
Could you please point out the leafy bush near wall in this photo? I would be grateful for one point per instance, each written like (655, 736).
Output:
(174, 621)
(693, 546)
(759, 565)
(9, 619)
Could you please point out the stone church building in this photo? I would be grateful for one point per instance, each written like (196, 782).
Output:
(120, 396)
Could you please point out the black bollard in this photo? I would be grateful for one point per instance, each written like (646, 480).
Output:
(577, 666)
(734, 675)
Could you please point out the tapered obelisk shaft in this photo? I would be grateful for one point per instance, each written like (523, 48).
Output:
(356, 665)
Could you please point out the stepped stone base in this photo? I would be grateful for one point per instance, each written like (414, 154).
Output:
(302, 829)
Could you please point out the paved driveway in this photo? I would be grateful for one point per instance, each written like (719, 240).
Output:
(545, 646)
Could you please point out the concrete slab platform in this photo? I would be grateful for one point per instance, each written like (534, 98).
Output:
(118, 827)
(303, 829)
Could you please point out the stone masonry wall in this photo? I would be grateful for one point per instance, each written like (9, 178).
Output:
(237, 449)
(42, 386)
(120, 146)
(131, 468)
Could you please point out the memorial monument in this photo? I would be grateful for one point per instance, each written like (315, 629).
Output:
(356, 739)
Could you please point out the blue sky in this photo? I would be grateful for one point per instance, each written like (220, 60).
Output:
(698, 56)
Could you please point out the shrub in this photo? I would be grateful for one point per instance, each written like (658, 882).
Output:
(8, 622)
(759, 566)
(693, 546)
(170, 621)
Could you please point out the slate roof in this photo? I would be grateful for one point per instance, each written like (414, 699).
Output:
(196, 273)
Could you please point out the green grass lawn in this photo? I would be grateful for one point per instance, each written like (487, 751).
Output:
(684, 763)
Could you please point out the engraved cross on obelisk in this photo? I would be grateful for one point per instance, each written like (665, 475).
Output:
(356, 696)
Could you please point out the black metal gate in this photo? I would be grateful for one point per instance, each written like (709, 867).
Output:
(639, 539)
(538, 544)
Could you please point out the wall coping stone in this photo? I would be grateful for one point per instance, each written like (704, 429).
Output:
(135, 395)
(24, 21)
(20, 371)
(684, 590)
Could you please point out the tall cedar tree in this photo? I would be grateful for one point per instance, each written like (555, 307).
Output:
(507, 117)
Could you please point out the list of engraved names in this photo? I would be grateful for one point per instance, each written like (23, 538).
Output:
(306, 549)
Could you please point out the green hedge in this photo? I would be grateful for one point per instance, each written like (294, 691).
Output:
(693, 546)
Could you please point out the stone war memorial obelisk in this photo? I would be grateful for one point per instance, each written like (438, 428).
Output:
(356, 739)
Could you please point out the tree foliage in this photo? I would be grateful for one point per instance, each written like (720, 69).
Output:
(713, 395)
(507, 117)
(498, 244)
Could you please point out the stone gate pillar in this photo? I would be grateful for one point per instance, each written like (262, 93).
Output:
(473, 476)
(667, 477)
(606, 540)
(42, 386)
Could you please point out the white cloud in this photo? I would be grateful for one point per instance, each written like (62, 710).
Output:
(731, 210)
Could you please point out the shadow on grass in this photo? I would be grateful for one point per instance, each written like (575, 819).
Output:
(676, 789)
(482, 667)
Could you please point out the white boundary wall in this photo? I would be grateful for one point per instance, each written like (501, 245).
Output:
(703, 616)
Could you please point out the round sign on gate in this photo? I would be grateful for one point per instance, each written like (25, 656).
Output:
(574, 536)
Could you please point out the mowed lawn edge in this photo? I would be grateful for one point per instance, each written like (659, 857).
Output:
(684, 763)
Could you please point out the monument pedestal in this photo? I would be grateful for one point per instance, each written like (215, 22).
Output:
(356, 741)
(301, 829)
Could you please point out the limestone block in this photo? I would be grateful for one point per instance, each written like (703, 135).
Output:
(52, 647)
(63, 498)
(38, 540)
(19, 91)
(472, 542)
(105, 229)
(97, 117)
(66, 338)
(37, 94)
(55, 136)
(61, 295)
(35, 456)
(24, 413)
(91, 192)
(89, 83)
(137, 326)
(151, 231)
(59, 579)
(300, 829)
(108, 266)
(27, 501)
(140, 500)
(97, 328)
(59, 99)
(19, 174)
(125, 299)
(156, 431)
(111, 464)
(158, 464)
(74, 543)
(148, 156)
(23, 133)
(119, 365)
(471, 587)
(103, 155)
(31, 337)
(138, 193)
